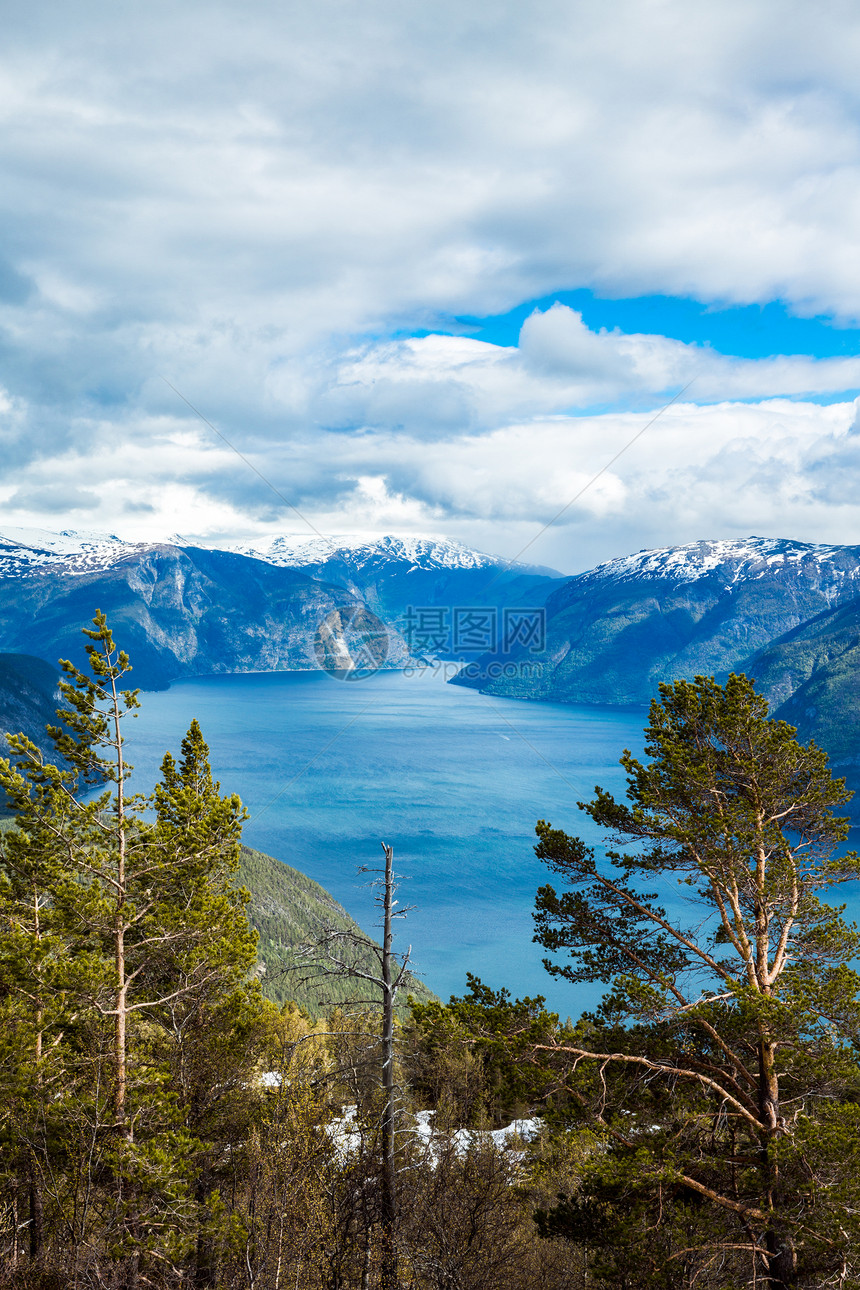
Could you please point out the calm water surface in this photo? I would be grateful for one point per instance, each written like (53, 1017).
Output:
(455, 780)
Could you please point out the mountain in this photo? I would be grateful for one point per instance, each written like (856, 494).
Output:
(615, 632)
(182, 610)
(28, 697)
(395, 574)
(179, 611)
(813, 674)
(289, 909)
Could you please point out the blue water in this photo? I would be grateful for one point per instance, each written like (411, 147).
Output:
(455, 780)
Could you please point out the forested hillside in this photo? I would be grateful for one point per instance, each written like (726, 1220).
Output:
(163, 1123)
(28, 695)
(288, 910)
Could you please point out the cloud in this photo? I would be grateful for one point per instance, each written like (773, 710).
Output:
(308, 171)
(433, 384)
(558, 342)
(54, 499)
(260, 203)
(777, 467)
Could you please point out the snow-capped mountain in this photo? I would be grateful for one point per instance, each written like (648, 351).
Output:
(397, 574)
(24, 551)
(732, 562)
(178, 610)
(785, 612)
(706, 608)
(81, 551)
(187, 609)
(299, 551)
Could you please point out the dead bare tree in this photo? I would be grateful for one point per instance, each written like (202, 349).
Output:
(348, 953)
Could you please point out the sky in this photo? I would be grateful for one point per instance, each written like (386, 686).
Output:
(561, 279)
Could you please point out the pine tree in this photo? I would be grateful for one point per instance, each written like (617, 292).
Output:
(34, 1016)
(721, 1064)
(129, 939)
(213, 1021)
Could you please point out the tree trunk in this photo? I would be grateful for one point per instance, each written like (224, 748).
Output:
(388, 1272)
(124, 1186)
(37, 1215)
(204, 1259)
(782, 1263)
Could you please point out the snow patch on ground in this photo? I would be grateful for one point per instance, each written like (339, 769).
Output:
(345, 1132)
(463, 1139)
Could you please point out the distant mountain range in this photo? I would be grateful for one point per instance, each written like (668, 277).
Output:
(394, 574)
(183, 610)
(786, 613)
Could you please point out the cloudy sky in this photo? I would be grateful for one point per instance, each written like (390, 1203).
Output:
(431, 268)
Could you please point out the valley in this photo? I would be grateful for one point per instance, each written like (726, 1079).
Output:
(456, 774)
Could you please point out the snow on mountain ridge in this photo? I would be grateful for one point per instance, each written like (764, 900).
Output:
(24, 551)
(740, 558)
(297, 551)
(65, 542)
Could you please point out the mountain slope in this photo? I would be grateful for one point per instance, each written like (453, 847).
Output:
(28, 697)
(706, 608)
(182, 610)
(393, 574)
(289, 909)
(812, 677)
(178, 611)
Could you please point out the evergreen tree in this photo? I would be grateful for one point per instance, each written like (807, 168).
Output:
(34, 1018)
(211, 1017)
(721, 1067)
(128, 943)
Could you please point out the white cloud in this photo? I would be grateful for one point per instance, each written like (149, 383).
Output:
(253, 200)
(777, 467)
(435, 386)
(315, 167)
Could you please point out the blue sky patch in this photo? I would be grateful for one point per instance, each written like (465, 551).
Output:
(748, 331)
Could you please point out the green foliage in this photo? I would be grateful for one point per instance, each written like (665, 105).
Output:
(471, 1057)
(727, 1039)
(161, 1123)
(28, 687)
(125, 970)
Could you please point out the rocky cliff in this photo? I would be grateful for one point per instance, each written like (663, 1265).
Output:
(178, 611)
(181, 610)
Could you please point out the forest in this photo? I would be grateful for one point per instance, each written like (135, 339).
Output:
(163, 1124)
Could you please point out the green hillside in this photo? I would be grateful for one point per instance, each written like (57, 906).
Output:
(289, 909)
(28, 697)
(813, 672)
